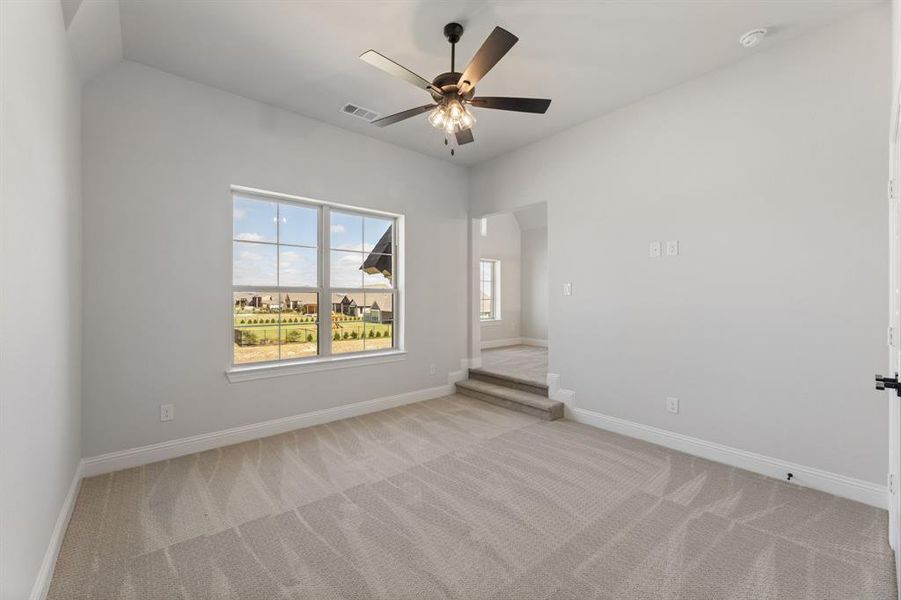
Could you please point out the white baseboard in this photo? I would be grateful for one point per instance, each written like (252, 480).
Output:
(517, 341)
(45, 573)
(553, 384)
(486, 344)
(455, 376)
(833, 483)
(125, 459)
(567, 397)
(470, 363)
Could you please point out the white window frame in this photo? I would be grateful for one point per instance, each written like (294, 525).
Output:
(325, 360)
(495, 290)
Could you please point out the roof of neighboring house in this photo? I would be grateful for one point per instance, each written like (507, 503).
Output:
(379, 259)
(248, 297)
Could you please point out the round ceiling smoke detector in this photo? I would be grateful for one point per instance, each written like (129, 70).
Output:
(752, 38)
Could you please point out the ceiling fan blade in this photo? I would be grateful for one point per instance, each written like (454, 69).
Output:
(392, 119)
(529, 105)
(392, 68)
(464, 137)
(493, 49)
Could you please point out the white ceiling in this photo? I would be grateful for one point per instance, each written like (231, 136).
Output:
(589, 57)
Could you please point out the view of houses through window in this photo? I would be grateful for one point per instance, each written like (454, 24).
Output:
(489, 282)
(278, 286)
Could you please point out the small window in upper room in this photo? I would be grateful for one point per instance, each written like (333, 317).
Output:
(489, 290)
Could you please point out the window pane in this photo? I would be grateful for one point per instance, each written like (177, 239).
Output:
(486, 290)
(485, 309)
(346, 231)
(298, 225)
(256, 327)
(377, 235)
(254, 264)
(346, 269)
(377, 270)
(299, 325)
(347, 323)
(378, 321)
(297, 266)
(254, 220)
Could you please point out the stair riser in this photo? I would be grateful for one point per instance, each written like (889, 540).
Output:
(547, 415)
(513, 385)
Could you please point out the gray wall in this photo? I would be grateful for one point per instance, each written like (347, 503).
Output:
(534, 284)
(160, 153)
(40, 279)
(771, 322)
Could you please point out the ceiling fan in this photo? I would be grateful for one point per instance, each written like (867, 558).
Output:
(453, 93)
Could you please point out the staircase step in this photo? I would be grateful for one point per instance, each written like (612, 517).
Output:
(509, 381)
(501, 395)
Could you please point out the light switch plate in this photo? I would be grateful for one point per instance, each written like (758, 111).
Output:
(672, 248)
(567, 289)
(654, 249)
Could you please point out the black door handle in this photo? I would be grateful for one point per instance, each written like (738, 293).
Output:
(888, 382)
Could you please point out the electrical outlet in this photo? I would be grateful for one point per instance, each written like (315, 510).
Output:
(672, 248)
(433, 369)
(654, 249)
(567, 289)
(167, 412)
(672, 405)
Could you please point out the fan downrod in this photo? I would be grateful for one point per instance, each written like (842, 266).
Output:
(453, 31)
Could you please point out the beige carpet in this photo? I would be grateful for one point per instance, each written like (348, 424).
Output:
(455, 498)
(523, 362)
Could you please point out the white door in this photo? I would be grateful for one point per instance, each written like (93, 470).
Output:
(894, 504)
(895, 339)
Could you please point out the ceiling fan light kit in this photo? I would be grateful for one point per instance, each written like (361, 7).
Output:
(453, 93)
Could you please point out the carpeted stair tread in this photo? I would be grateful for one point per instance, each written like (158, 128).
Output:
(511, 398)
(511, 381)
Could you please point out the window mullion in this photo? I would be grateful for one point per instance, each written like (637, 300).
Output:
(325, 296)
(278, 272)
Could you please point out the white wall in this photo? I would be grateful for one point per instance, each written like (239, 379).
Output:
(160, 153)
(503, 243)
(534, 284)
(770, 324)
(40, 285)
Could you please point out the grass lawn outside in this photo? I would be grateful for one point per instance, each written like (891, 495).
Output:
(268, 342)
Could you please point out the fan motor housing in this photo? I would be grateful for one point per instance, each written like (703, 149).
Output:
(447, 82)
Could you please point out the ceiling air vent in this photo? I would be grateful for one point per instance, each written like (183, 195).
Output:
(359, 112)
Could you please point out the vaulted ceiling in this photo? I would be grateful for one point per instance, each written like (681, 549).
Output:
(589, 57)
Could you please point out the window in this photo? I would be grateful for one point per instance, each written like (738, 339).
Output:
(490, 290)
(310, 279)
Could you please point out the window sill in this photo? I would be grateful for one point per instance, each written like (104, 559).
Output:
(250, 373)
(489, 320)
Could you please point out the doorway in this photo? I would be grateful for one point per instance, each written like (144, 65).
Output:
(510, 322)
